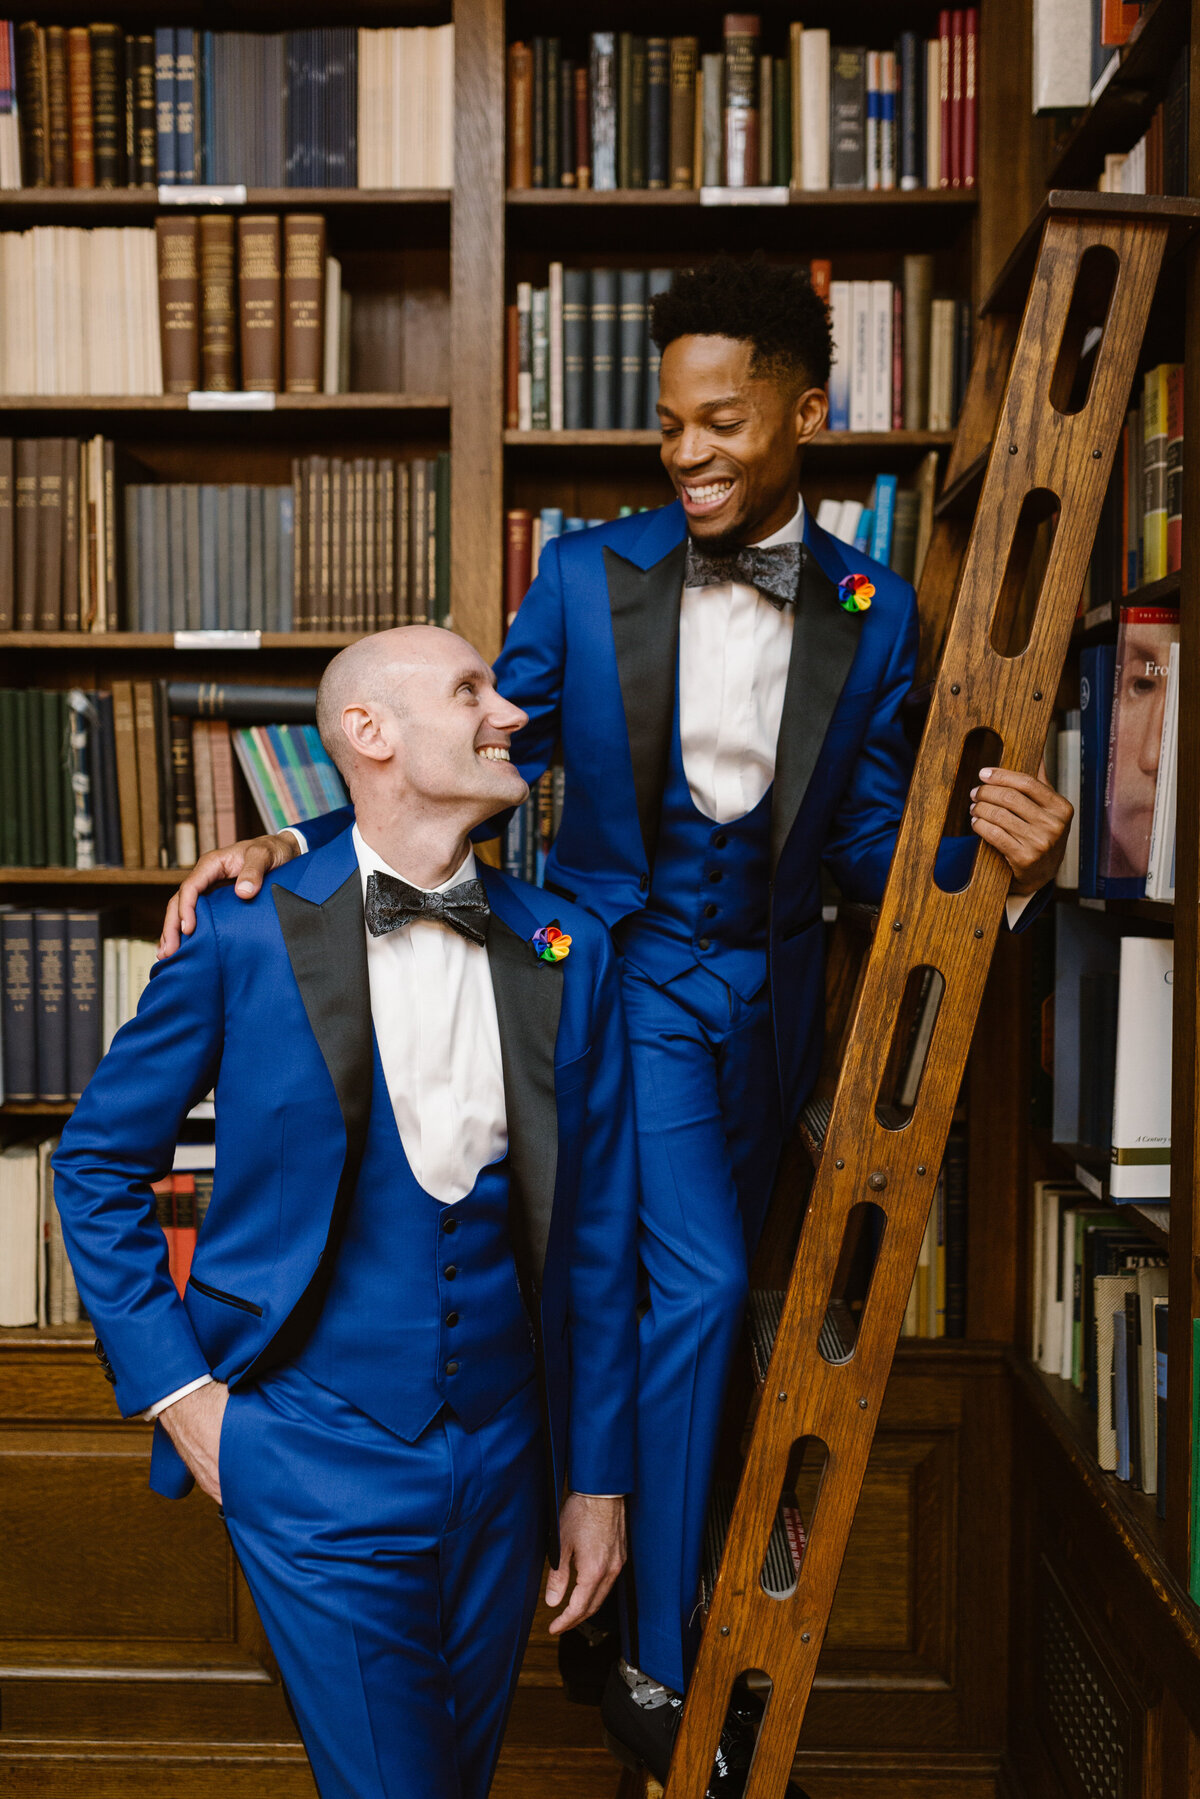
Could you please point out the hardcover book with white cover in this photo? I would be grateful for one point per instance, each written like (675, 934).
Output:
(1141, 1134)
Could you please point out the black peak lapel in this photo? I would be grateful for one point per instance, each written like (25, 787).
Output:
(824, 640)
(645, 624)
(528, 1002)
(327, 949)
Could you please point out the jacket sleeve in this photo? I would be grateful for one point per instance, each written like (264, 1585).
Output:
(602, 1291)
(120, 1138)
(320, 831)
(861, 843)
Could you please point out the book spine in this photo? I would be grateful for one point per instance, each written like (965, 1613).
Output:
(555, 347)
(1154, 472)
(81, 714)
(684, 51)
(568, 156)
(518, 547)
(712, 160)
(19, 1007)
(910, 55)
(79, 78)
(575, 350)
(538, 117)
(1174, 468)
(58, 107)
(145, 100)
(847, 119)
(897, 358)
(146, 737)
(217, 344)
(658, 112)
(7, 515)
(259, 294)
(872, 160)
(512, 368)
(550, 125)
(520, 115)
(164, 104)
(887, 122)
(25, 521)
(185, 107)
(604, 348)
(183, 776)
(224, 802)
(32, 105)
(83, 999)
(631, 285)
(177, 243)
(303, 301)
(108, 103)
(50, 966)
(539, 384)
(583, 127)
(766, 121)
(206, 824)
(970, 128)
(49, 533)
(624, 99)
(602, 129)
(637, 112)
(741, 115)
(781, 122)
(943, 99)
(956, 98)
(418, 531)
(125, 747)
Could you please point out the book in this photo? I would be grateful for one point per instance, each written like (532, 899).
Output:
(1097, 663)
(1144, 640)
(602, 123)
(682, 121)
(19, 1235)
(741, 109)
(18, 1005)
(1160, 864)
(259, 302)
(303, 302)
(847, 118)
(1160, 1342)
(1141, 1124)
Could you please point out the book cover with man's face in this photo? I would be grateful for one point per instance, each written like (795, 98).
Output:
(1139, 697)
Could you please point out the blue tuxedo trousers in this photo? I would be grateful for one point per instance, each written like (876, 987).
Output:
(396, 1581)
(709, 1136)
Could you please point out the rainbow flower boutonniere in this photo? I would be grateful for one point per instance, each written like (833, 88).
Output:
(550, 943)
(855, 593)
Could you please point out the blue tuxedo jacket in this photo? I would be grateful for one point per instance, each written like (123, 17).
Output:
(269, 1003)
(592, 657)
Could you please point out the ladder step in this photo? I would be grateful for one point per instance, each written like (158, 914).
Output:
(814, 1122)
(960, 498)
(765, 1308)
(861, 917)
(785, 1550)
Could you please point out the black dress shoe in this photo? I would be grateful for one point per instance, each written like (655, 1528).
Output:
(588, 1653)
(640, 1731)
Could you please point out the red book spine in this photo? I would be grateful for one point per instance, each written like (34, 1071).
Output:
(518, 559)
(956, 98)
(1117, 20)
(944, 97)
(583, 130)
(897, 357)
(820, 277)
(970, 154)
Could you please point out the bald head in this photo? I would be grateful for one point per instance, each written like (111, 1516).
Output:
(374, 672)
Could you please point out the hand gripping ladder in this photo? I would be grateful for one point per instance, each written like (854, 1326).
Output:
(1049, 394)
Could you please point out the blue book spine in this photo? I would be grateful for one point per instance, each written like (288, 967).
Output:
(579, 524)
(50, 954)
(514, 844)
(287, 557)
(209, 615)
(552, 523)
(576, 353)
(208, 105)
(885, 518)
(862, 536)
(1097, 666)
(604, 349)
(333, 793)
(185, 107)
(19, 1006)
(164, 103)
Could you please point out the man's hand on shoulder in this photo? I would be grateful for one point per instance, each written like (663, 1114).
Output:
(247, 863)
(592, 1538)
(193, 1424)
(1026, 820)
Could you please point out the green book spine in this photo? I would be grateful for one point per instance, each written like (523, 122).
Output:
(24, 766)
(442, 527)
(637, 112)
(8, 777)
(538, 130)
(781, 122)
(624, 107)
(1194, 1585)
(48, 709)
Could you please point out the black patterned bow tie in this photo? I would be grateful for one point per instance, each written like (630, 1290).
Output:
(391, 903)
(775, 572)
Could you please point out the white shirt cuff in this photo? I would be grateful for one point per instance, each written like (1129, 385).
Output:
(600, 1495)
(160, 1405)
(1014, 908)
(292, 831)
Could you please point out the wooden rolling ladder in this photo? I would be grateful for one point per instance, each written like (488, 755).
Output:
(1056, 353)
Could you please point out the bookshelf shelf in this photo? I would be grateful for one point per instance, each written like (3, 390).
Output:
(118, 642)
(1119, 115)
(78, 204)
(1155, 593)
(349, 404)
(831, 443)
(92, 877)
(859, 198)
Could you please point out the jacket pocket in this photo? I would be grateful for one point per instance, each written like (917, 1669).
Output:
(227, 1299)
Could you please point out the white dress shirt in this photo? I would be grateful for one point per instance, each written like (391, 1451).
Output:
(434, 1014)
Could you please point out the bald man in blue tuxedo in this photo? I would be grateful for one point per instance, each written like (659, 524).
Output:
(726, 683)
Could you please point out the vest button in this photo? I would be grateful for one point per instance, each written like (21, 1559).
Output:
(703, 943)
(643, 882)
(720, 840)
(714, 874)
(451, 1319)
(451, 1367)
(710, 911)
(450, 1272)
(449, 1225)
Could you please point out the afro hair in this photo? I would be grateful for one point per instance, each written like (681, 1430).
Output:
(770, 306)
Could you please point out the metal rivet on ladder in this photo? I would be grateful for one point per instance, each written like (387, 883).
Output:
(920, 1167)
(1012, 449)
(1037, 693)
(839, 1163)
(979, 930)
(806, 1636)
(862, 1405)
(955, 688)
(896, 925)
(724, 1630)
(1095, 455)
(877, 1181)
(781, 1395)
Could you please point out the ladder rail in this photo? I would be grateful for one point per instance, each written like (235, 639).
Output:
(1035, 447)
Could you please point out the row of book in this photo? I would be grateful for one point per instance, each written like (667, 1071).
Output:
(143, 775)
(1099, 1288)
(628, 111)
(95, 107)
(208, 304)
(580, 356)
(58, 534)
(1102, 999)
(372, 542)
(937, 1300)
(1140, 530)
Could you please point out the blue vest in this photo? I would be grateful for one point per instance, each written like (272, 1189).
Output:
(709, 890)
(423, 1308)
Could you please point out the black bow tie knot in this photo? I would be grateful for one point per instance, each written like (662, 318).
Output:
(391, 903)
(774, 572)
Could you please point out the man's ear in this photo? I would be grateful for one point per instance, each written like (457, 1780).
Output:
(363, 729)
(812, 410)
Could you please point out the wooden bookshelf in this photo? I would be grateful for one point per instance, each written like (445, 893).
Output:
(1121, 112)
(828, 198)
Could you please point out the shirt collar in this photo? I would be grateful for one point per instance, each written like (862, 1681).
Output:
(370, 862)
